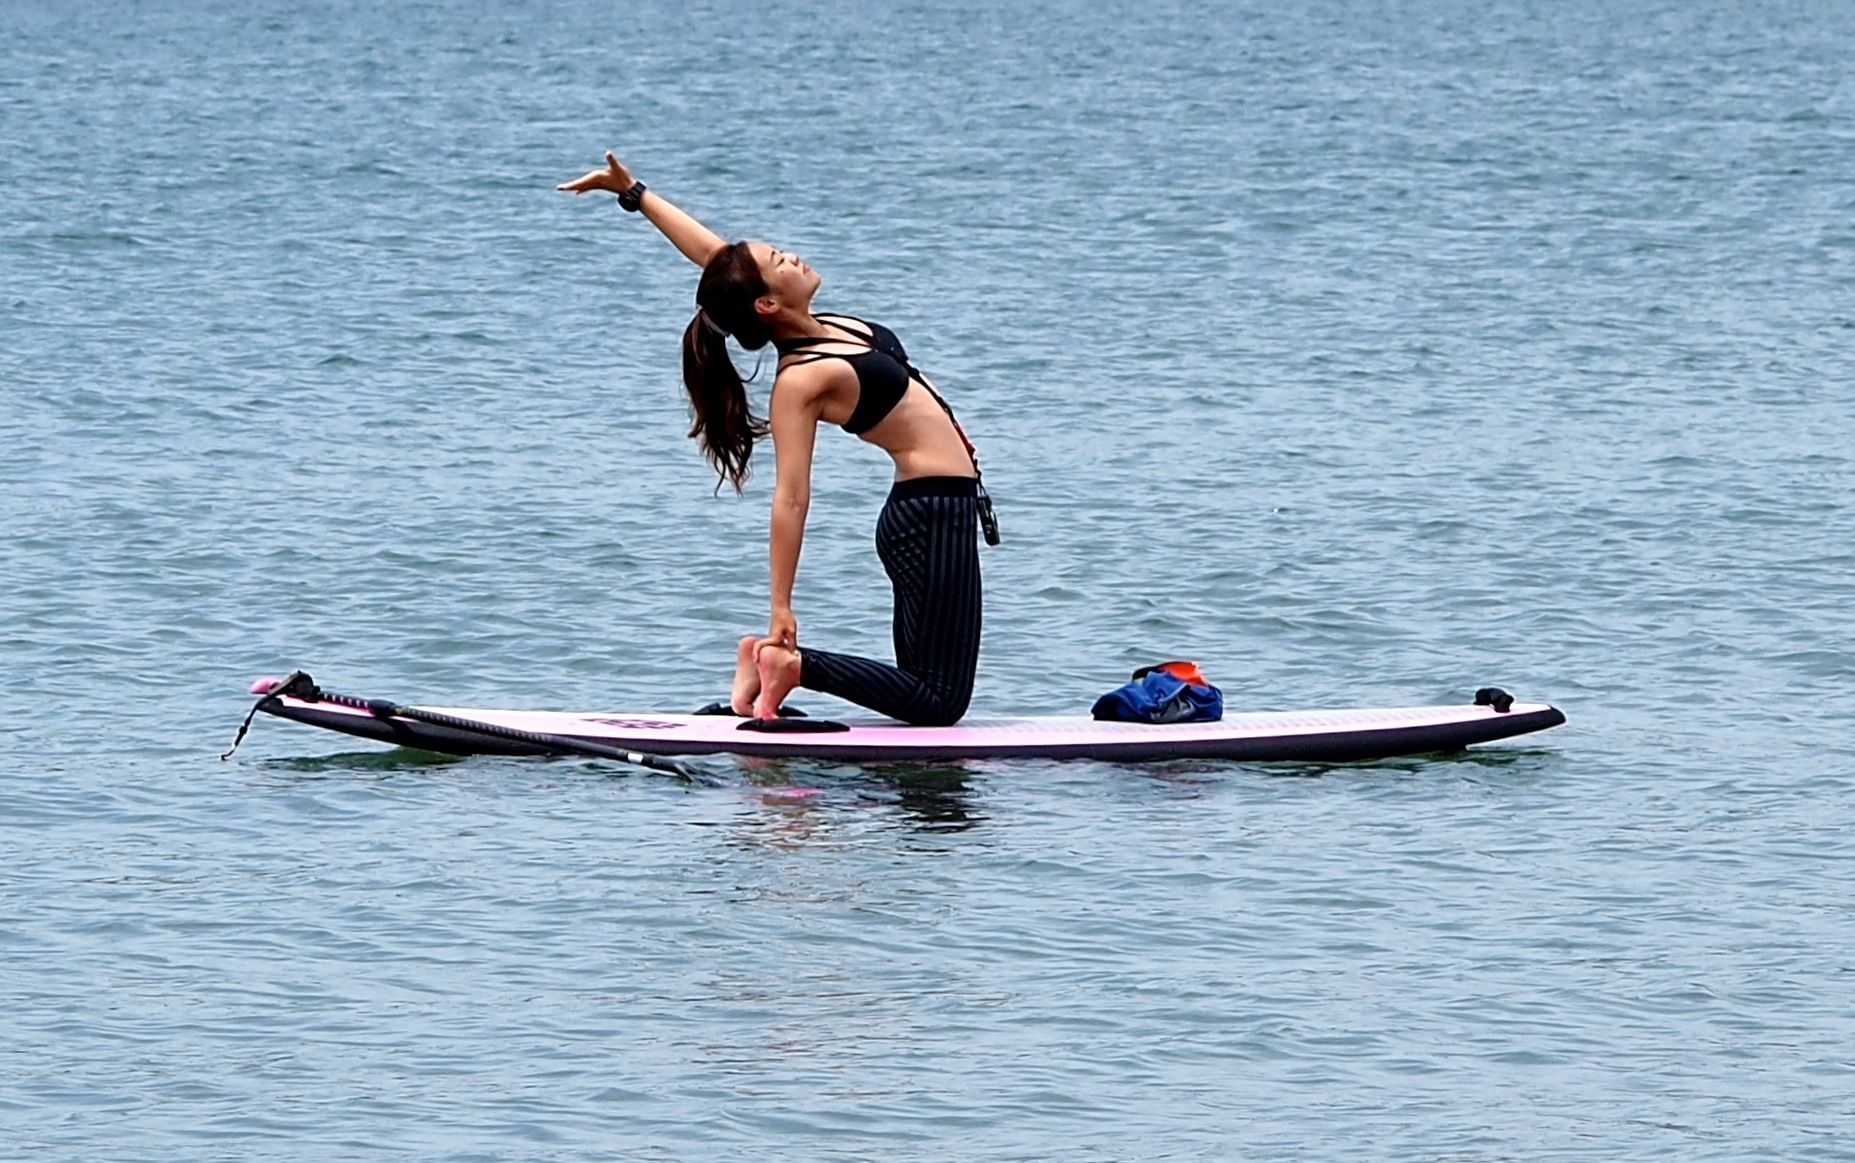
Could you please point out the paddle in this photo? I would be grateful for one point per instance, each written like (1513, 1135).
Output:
(300, 685)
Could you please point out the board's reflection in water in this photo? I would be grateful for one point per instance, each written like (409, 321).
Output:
(805, 802)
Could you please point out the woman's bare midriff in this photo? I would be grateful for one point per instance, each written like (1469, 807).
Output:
(920, 439)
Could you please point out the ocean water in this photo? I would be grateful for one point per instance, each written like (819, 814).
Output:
(1365, 353)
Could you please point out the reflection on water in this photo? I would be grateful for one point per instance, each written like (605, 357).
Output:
(799, 798)
(1187, 774)
(396, 759)
(933, 797)
(927, 797)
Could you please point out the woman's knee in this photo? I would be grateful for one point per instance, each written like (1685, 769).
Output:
(942, 711)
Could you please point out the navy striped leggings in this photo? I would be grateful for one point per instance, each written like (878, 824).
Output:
(927, 540)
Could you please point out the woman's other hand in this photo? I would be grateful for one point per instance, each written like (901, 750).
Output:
(782, 630)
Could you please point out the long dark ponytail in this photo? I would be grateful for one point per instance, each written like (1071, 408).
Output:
(719, 413)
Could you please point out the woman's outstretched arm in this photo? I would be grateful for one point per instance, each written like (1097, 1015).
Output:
(697, 242)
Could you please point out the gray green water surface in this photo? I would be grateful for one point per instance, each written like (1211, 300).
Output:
(1365, 353)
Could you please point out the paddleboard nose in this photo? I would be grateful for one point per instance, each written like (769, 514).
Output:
(265, 685)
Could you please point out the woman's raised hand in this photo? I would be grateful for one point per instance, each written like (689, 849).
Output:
(614, 179)
(697, 242)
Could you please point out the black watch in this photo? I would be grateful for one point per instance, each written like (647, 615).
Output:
(633, 198)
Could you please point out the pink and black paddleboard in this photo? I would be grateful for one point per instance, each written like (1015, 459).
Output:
(1316, 735)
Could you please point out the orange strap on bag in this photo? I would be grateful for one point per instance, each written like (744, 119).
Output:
(1179, 669)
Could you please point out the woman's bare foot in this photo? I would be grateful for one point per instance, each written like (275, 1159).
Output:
(746, 678)
(779, 673)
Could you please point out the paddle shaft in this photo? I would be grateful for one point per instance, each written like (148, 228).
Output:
(558, 744)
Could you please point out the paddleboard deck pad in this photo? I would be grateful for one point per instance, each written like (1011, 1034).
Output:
(1258, 736)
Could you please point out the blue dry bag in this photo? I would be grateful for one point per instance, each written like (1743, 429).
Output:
(1171, 692)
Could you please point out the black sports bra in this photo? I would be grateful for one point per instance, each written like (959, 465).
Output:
(882, 367)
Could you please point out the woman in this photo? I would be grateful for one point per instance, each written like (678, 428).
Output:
(844, 371)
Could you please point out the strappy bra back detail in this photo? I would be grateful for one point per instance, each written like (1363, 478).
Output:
(881, 364)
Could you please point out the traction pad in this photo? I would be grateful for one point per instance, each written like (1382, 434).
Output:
(791, 726)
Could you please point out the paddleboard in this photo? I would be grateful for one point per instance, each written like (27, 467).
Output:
(1311, 735)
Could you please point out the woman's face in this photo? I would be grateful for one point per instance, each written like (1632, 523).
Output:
(788, 279)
